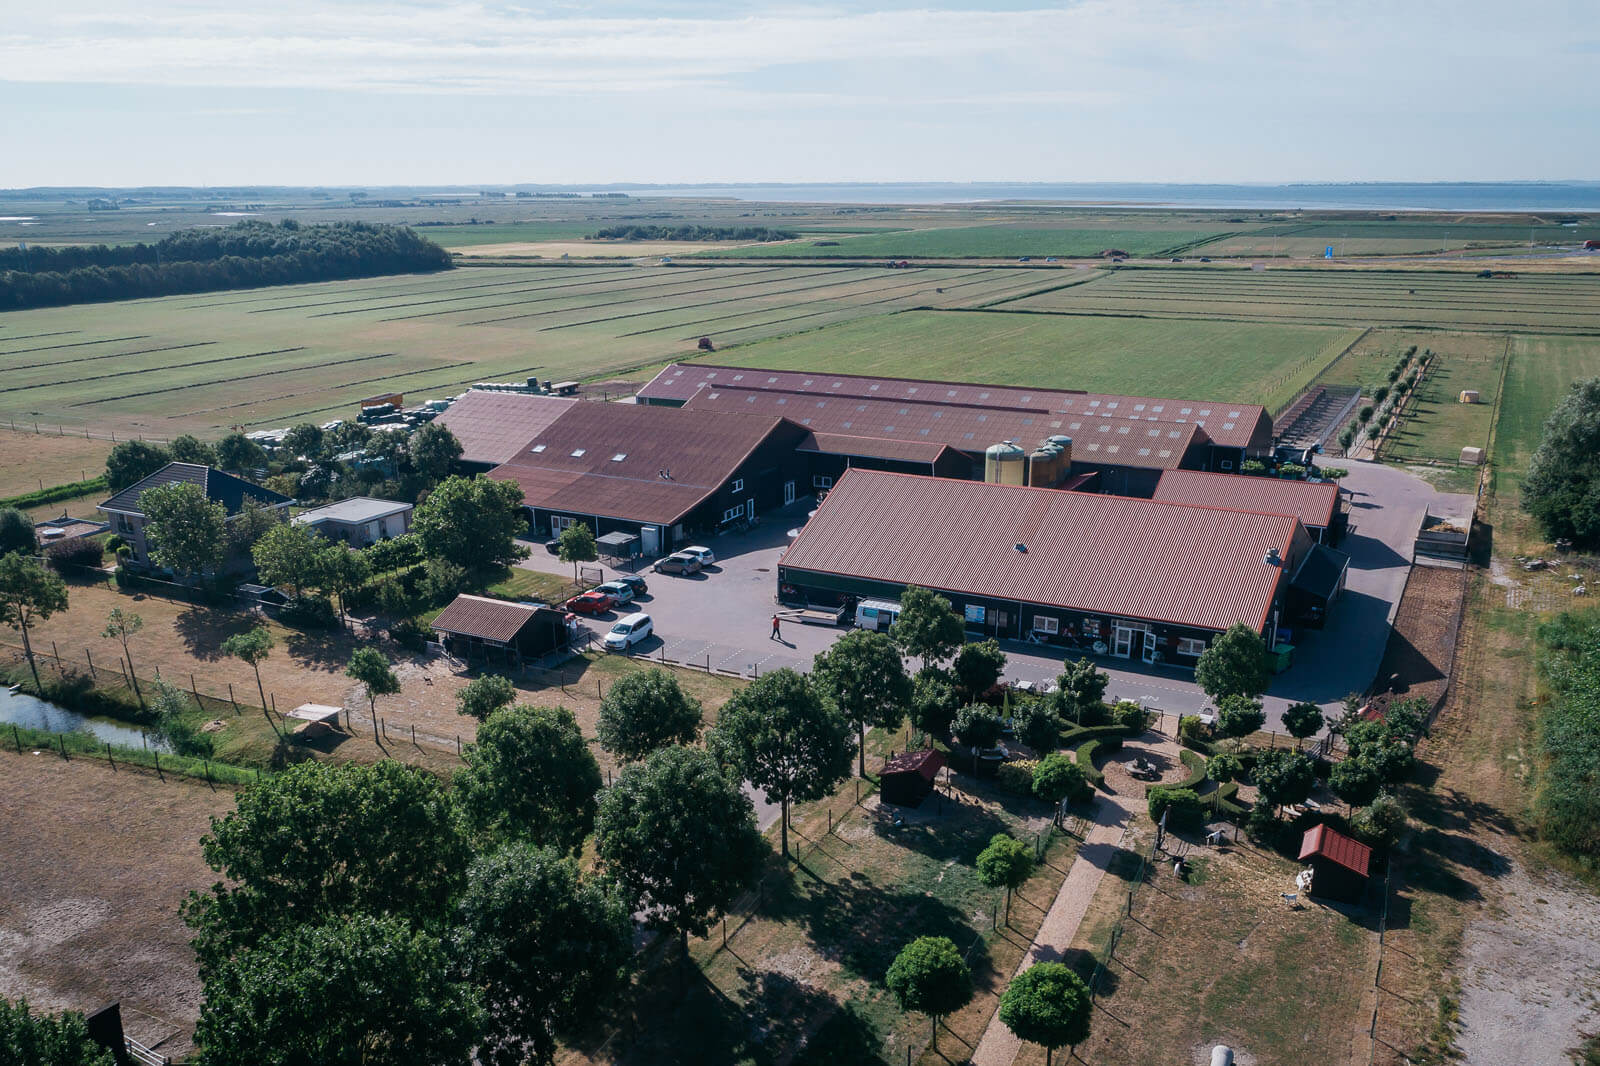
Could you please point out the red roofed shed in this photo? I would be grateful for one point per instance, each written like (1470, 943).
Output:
(908, 777)
(1339, 864)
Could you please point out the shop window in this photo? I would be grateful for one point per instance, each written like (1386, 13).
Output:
(1043, 623)
(1191, 647)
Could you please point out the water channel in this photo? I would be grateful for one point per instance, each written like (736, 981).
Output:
(33, 713)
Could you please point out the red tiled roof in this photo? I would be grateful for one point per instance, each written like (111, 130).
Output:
(1321, 842)
(1234, 425)
(1312, 503)
(487, 619)
(634, 462)
(1110, 555)
(1102, 441)
(491, 426)
(926, 763)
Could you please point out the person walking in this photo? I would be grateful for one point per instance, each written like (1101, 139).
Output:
(775, 634)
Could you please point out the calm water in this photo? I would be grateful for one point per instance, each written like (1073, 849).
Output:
(34, 713)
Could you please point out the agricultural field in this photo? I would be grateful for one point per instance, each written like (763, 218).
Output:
(1262, 363)
(1540, 372)
(1437, 424)
(1071, 239)
(1543, 303)
(30, 461)
(1400, 236)
(263, 357)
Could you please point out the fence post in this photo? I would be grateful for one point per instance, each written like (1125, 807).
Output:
(196, 690)
(16, 737)
(458, 745)
(57, 654)
(92, 675)
(597, 693)
(232, 700)
(159, 774)
(63, 740)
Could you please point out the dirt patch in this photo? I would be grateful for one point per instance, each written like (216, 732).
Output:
(1417, 659)
(1118, 768)
(96, 863)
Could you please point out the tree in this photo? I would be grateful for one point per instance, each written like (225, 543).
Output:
(1037, 726)
(1355, 781)
(344, 573)
(171, 707)
(237, 453)
(545, 945)
(1081, 689)
(1059, 779)
(1234, 665)
(253, 647)
(977, 726)
(576, 545)
(365, 991)
(530, 776)
(16, 532)
(132, 461)
(252, 522)
(680, 839)
(1381, 822)
(472, 522)
(484, 695)
(929, 976)
(304, 441)
(785, 739)
(977, 668)
(372, 668)
(30, 1039)
(1302, 720)
(433, 450)
(385, 842)
(29, 593)
(933, 701)
(190, 449)
(120, 625)
(865, 678)
(1047, 1004)
(1239, 716)
(928, 627)
(1562, 489)
(646, 711)
(187, 531)
(1224, 767)
(1283, 776)
(1006, 863)
(290, 554)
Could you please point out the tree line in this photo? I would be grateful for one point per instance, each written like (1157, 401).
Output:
(247, 254)
(693, 233)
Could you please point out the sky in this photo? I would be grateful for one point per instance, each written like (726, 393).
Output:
(355, 92)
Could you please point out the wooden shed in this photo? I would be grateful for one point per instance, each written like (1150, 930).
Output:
(909, 776)
(1339, 864)
(479, 627)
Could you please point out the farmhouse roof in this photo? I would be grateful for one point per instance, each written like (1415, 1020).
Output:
(355, 509)
(1322, 842)
(1311, 502)
(915, 451)
(1111, 555)
(484, 618)
(925, 763)
(219, 487)
(491, 426)
(1234, 425)
(634, 462)
(835, 419)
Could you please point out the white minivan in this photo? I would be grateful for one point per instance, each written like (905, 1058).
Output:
(876, 615)
(628, 632)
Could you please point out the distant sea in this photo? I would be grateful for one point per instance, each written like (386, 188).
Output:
(1576, 196)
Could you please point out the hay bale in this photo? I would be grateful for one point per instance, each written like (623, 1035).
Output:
(1469, 395)
(1472, 456)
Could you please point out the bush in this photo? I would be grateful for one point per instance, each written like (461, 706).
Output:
(404, 550)
(1196, 765)
(1253, 468)
(1017, 777)
(1130, 716)
(309, 612)
(1089, 749)
(1192, 732)
(442, 581)
(69, 555)
(409, 634)
(1057, 778)
(1291, 471)
(1181, 806)
(1380, 823)
(1262, 823)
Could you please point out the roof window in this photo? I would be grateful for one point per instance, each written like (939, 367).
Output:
(578, 452)
(619, 457)
(536, 449)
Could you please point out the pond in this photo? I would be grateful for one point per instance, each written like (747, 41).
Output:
(34, 713)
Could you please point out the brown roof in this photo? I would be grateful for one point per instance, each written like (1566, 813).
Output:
(925, 763)
(1322, 842)
(1111, 555)
(1098, 440)
(491, 426)
(634, 462)
(913, 451)
(1312, 503)
(479, 616)
(1234, 425)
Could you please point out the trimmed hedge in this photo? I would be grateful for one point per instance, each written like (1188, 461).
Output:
(56, 493)
(1197, 771)
(1089, 740)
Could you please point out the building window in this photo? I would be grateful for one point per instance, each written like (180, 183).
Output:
(1190, 646)
(732, 513)
(1043, 623)
(738, 485)
(821, 481)
(1091, 627)
(974, 614)
(1226, 464)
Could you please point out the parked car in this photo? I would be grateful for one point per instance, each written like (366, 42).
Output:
(678, 563)
(553, 546)
(628, 632)
(635, 582)
(592, 602)
(620, 592)
(699, 551)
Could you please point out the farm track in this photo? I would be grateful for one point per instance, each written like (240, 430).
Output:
(150, 369)
(240, 377)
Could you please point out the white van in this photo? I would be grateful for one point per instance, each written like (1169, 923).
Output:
(628, 632)
(876, 615)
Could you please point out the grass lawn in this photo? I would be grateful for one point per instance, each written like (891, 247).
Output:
(1438, 425)
(1248, 362)
(519, 584)
(29, 461)
(993, 241)
(1541, 371)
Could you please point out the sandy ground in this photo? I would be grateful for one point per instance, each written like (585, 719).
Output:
(29, 460)
(592, 249)
(95, 865)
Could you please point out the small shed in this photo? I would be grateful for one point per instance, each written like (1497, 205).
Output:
(618, 545)
(314, 719)
(474, 627)
(1339, 864)
(909, 776)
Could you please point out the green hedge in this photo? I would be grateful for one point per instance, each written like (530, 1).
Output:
(1197, 771)
(56, 493)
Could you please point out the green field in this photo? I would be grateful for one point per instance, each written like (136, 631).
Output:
(1400, 236)
(1544, 303)
(1541, 371)
(989, 242)
(1266, 364)
(470, 234)
(1438, 425)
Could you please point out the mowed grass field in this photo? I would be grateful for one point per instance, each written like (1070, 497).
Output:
(263, 357)
(1438, 425)
(1362, 237)
(1538, 377)
(1266, 364)
(1166, 237)
(1543, 303)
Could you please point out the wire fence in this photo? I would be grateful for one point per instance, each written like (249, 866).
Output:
(1114, 937)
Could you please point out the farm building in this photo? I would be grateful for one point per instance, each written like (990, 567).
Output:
(127, 517)
(658, 473)
(1339, 865)
(1319, 505)
(476, 627)
(1130, 578)
(358, 521)
(908, 778)
(491, 426)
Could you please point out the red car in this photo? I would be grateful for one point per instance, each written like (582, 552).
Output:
(591, 602)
